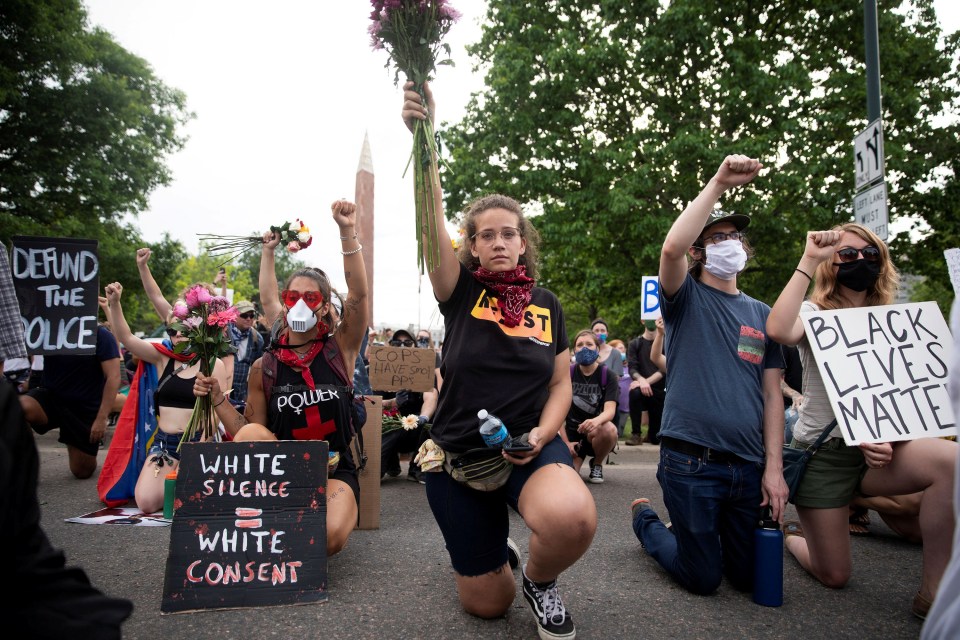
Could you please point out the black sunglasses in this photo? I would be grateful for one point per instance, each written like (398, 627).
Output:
(172, 332)
(401, 343)
(248, 316)
(870, 253)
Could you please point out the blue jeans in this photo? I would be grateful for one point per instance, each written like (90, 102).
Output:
(714, 507)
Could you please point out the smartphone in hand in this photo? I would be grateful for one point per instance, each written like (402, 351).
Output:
(516, 445)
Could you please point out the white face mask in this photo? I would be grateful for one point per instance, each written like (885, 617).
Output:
(300, 318)
(726, 259)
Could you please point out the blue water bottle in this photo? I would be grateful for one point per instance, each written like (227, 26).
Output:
(491, 429)
(768, 562)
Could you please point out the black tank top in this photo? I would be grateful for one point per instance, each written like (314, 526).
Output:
(330, 406)
(174, 391)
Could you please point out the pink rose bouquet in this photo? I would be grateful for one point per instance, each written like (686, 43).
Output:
(201, 318)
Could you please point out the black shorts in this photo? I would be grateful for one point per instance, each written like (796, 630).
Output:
(74, 423)
(584, 448)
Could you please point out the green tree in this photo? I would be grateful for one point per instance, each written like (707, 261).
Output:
(85, 126)
(609, 115)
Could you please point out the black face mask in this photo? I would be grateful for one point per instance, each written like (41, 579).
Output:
(858, 275)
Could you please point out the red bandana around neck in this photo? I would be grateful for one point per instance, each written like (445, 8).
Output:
(514, 290)
(291, 359)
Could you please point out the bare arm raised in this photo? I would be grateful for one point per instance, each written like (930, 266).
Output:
(150, 286)
(783, 323)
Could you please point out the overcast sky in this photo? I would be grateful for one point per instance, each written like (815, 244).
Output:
(284, 93)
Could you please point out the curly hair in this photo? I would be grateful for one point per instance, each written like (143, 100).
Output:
(826, 288)
(527, 231)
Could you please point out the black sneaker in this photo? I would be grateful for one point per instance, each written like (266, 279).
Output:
(596, 474)
(513, 554)
(553, 621)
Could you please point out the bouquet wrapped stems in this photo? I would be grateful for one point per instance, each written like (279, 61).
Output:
(203, 419)
(425, 182)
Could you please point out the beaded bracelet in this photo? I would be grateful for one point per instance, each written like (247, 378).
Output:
(353, 251)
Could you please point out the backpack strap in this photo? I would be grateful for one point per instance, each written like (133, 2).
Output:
(603, 374)
(268, 365)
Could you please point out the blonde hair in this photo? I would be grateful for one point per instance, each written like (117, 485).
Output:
(826, 288)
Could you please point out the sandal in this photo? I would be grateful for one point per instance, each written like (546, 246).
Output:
(792, 528)
(859, 519)
(921, 606)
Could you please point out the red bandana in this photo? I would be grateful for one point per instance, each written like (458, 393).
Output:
(179, 357)
(291, 359)
(513, 289)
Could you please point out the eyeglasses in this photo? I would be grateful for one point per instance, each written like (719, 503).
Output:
(173, 332)
(870, 253)
(489, 236)
(401, 343)
(719, 237)
(247, 316)
(313, 299)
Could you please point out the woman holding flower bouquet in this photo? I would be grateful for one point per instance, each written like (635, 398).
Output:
(173, 398)
(506, 351)
(301, 388)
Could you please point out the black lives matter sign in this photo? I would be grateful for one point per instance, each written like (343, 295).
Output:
(57, 282)
(250, 528)
(885, 370)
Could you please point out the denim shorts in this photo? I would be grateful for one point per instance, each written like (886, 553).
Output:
(475, 524)
(165, 444)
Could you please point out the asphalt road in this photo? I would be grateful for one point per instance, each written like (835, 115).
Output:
(396, 582)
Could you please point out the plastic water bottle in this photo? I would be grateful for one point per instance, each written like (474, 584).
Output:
(169, 494)
(491, 429)
(768, 562)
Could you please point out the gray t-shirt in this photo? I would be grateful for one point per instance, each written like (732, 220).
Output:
(815, 412)
(717, 352)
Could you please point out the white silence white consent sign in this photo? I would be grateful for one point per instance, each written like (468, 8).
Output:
(885, 370)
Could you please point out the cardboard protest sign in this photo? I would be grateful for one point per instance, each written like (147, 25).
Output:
(250, 527)
(885, 370)
(396, 368)
(57, 281)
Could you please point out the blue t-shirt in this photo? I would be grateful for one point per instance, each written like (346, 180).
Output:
(717, 351)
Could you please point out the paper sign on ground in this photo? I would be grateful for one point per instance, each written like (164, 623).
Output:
(122, 515)
(885, 370)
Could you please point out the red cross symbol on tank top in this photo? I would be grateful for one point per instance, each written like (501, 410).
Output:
(315, 429)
